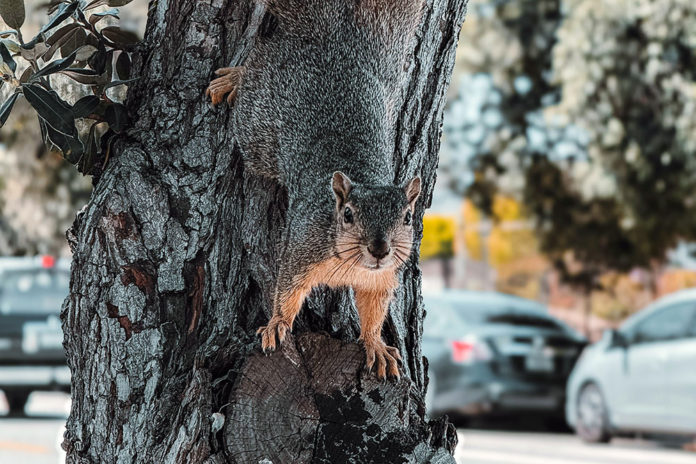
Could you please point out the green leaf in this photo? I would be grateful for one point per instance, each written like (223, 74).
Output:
(98, 59)
(118, 2)
(96, 17)
(6, 107)
(85, 106)
(55, 66)
(86, 162)
(119, 36)
(26, 75)
(83, 76)
(70, 145)
(33, 52)
(61, 32)
(123, 65)
(116, 83)
(51, 108)
(59, 38)
(12, 12)
(117, 117)
(7, 57)
(64, 12)
(95, 4)
(52, 6)
(73, 42)
(86, 52)
(11, 45)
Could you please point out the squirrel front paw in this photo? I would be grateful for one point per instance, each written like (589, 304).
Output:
(384, 358)
(276, 326)
(227, 83)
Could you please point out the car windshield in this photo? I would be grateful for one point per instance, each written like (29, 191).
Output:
(523, 319)
(449, 317)
(38, 291)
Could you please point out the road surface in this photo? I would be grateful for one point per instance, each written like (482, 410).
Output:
(35, 440)
(496, 447)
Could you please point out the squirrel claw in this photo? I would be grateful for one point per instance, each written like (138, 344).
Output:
(385, 359)
(227, 84)
(276, 327)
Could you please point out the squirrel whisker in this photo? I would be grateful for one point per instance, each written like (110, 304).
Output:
(338, 252)
(347, 272)
(343, 263)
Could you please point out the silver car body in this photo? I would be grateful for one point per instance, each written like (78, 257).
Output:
(648, 383)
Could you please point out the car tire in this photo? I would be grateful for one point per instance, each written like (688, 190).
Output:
(592, 415)
(16, 401)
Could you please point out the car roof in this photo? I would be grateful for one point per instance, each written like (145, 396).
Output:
(13, 263)
(667, 300)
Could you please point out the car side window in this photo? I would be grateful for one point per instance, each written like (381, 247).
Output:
(670, 323)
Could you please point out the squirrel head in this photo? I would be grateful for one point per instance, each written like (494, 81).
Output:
(374, 224)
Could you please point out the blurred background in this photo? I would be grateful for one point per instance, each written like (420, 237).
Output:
(557, 254)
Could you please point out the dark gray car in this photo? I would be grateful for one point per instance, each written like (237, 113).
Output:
(31, 339)
(495, 353)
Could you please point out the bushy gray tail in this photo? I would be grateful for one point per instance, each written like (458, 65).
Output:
(392, 21)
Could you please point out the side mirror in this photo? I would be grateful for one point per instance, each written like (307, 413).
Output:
(617, 339)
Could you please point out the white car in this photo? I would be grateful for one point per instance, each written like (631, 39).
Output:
(641, 377)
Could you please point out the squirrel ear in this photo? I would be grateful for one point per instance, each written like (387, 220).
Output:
(341, 186)
(412, 190)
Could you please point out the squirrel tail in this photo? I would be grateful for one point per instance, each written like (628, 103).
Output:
(390, 20)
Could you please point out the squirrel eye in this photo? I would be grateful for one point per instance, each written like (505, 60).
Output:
(348, 216)
(407, 218)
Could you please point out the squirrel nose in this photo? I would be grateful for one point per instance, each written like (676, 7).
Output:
(379, 248)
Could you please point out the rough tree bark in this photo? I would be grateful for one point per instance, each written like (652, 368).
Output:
(174, 263)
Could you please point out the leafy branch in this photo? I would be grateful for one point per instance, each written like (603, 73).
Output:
(74, 43)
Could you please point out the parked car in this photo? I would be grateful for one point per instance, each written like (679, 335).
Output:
(492, 353)
(641, 377)
(32, 291)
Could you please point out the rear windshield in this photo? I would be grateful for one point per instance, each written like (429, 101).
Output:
(526, 320)
(445, 316)
(39, 291)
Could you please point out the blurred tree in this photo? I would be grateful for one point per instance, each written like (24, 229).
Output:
(39, 191)
(589, 116)
(506, 240)
(438, 242)
(438, 236)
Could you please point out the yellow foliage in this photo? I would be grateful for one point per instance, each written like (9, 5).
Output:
(678, 279)
(506, 208)
(500, 248)
(522, 276)
(470, 213)
(438, 236)
(472, 242)
(506, 245)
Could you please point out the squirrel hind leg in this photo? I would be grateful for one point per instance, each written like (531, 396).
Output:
(227, 83)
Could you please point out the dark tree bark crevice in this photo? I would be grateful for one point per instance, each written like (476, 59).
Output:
(174, 264)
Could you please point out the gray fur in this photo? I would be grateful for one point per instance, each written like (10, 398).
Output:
(318, 96)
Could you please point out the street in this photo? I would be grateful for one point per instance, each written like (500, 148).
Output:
(36, 440)
(496, 447)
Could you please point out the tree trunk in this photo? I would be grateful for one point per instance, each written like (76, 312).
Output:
(174, 266)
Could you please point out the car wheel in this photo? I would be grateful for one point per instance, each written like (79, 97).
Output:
(16, 400)
(593, 418)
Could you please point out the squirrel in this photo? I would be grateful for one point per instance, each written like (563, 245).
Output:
(314, 107)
